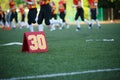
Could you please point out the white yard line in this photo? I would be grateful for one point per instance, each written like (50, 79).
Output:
(63, 74)
(11, 43)
(103, 40)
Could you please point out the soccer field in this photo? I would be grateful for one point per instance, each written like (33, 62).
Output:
(94, 54)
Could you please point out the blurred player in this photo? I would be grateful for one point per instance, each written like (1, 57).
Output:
(3, 20)
(62, 10)
(13, 12)
(22, 12)
(53, 20)
(79, 13)
(32, 13)
(94, 11)
(45, 13)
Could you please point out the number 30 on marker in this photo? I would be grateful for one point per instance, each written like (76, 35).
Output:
(37, 42)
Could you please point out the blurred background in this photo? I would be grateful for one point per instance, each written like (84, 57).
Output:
(109, 10)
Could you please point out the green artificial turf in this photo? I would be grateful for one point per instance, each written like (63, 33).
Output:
(68, 52)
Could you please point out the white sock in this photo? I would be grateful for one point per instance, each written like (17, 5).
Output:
(13, 25)
(40, 27)
(27, 25)
(31, 28)
(92, 22)
(88, 22)
(97, 22)
(20, 24)
(78, 23)
(7, 25)
(67, 26)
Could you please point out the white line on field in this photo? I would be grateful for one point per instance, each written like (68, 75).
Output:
(11, 43)
(103, 40)
(63, 74)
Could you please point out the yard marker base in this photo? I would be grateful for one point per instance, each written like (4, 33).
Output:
(34, 42)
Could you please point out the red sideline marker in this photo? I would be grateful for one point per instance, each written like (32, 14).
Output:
(34, 42)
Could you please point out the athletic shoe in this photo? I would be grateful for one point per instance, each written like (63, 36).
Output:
(90, 26)
(78, 29)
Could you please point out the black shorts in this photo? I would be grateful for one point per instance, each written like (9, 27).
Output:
(32, 16)
(79, 13)
(93, 13)
(62, 16)
(14, 15)
(45, 13)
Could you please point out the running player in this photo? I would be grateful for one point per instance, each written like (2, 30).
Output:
(94, 11)
(32, 13)
(62, 11)
(13, 12)
(3, 20)
(45, 13)
(54, 21)
(79, 13)
(22, 12)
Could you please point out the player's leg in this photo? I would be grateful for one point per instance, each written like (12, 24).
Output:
(1, 22)
(16, 17)
(97, 22)
(47, 14)
(32, 17)
(40, 20)
(12, 16)
(62, 18)
(8, 20)
(64, 21)
(30, 21)
(53, 21)
(23, 19)
(77, 21)
(93, 16)
(4, 22)
(85, 20)
(82, 16)
(2, 19)
(22, 23)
